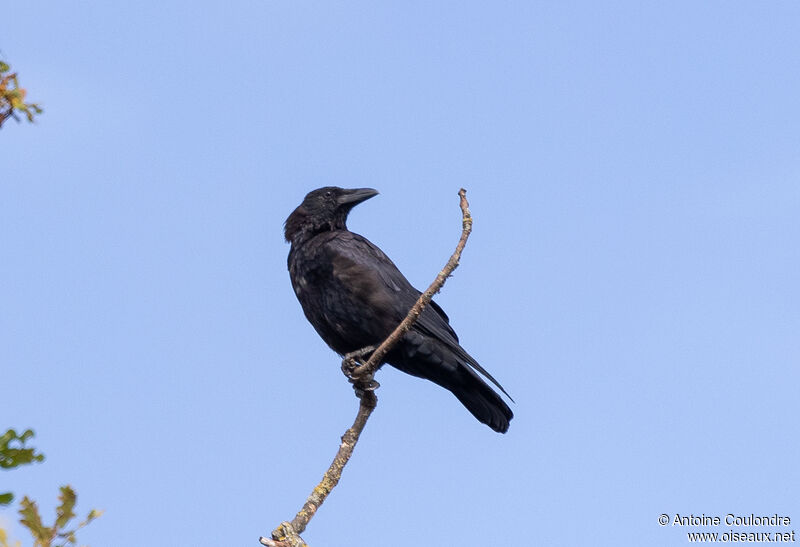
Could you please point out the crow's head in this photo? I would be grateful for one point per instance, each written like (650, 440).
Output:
(323, 210)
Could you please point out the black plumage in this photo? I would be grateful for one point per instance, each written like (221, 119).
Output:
(354, 296)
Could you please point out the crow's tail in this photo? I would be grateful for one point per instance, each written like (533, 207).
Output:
(480, 399)
(439, 364)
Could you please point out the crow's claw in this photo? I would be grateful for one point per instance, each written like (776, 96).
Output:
(354, 359)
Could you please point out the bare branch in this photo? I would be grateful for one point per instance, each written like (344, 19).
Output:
(369, 368)
(288, 533)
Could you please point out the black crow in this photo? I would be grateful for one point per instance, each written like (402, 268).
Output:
(354, 296)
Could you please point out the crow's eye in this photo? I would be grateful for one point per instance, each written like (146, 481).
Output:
(328, 194)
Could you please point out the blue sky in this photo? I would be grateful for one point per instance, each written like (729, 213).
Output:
(634, 173)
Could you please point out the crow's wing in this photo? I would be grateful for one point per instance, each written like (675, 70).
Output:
(376, 283)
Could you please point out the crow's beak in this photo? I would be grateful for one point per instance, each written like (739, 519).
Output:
(356, 196)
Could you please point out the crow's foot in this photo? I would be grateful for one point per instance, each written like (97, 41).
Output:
(361, 382)
(354, 359)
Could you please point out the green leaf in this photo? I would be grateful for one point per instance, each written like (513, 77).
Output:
(15, 455)
(6, 498)
(33, 522)
(64, 512)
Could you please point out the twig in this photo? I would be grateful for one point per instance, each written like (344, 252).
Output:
(369, 368)
(288, 533)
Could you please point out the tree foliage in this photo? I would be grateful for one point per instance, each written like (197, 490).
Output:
(12, 97)
(57, 535)
(14, 453)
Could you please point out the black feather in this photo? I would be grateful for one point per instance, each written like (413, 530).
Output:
(354, 296)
